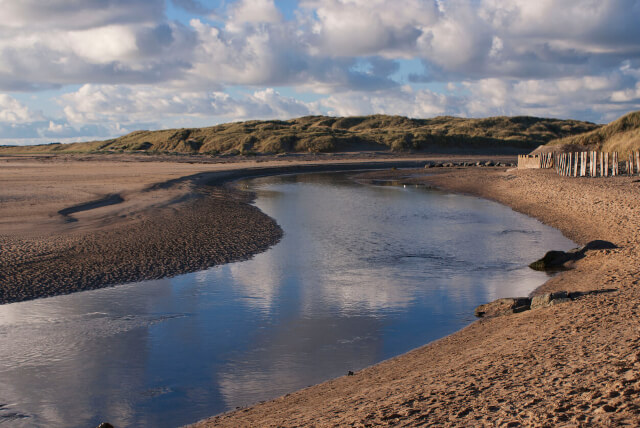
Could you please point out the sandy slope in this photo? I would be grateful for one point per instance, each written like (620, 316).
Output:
(574, 364)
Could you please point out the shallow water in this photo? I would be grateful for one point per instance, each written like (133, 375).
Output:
(362, 274)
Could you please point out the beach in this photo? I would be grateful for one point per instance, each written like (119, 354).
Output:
(74, 223)
(78, 222)
(572, 364)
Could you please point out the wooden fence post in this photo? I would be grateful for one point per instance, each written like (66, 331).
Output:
(601, 155)
(614, 165)
(606, 164)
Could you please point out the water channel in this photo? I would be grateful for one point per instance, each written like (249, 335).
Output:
(363, 273)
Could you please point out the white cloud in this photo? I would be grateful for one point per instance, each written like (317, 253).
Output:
(135, 65)
(76, 14)
(128, 105)
(255, 11)
(12, 111)
(369, 27)
(401, 101)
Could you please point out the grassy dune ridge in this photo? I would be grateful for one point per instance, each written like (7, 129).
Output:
(621, 135)
(330, 134)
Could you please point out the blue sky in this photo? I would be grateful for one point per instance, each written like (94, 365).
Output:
(76, 70)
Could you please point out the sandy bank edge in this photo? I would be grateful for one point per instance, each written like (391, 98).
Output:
(208, 224)
(575, 364)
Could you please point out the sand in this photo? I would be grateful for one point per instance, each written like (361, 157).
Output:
(573, 364)
(72, 223)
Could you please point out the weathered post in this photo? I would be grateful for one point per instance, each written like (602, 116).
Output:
(601, 166)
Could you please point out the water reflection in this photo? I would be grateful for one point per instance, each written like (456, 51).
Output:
(363, 273)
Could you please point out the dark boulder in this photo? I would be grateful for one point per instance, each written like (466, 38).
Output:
(557, 259)
(503, 306)
(552, 260)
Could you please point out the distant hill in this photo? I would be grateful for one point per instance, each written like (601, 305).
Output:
(331, 134)
(621, 135)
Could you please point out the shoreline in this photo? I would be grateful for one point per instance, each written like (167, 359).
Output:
(575, 364)
(83, 243)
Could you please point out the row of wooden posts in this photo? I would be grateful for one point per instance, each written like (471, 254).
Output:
(595, 164)
(583, 164)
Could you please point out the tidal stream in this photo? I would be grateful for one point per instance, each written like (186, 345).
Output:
(363, 273)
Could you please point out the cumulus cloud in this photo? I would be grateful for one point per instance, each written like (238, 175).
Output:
(91, 41)
(12, 111)
(575, 58)
(255, 11)
(366, 27)
(78, 14)
(401, 101)
(127, 105)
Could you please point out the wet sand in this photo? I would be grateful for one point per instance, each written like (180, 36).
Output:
(572, 364)
(71, 223)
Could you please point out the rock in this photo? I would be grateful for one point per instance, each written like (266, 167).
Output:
(599, 244)
(559, 295)
(549, 299)
(556, 259)
(428, 165)
(488, 163)
(478, 164)
(552, 260)
(540, 301)
(503, 306)
(438, 165)
(558, 301)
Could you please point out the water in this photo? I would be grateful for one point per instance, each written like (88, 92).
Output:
(362, 274)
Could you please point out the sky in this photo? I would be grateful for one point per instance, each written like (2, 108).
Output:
(78, 70)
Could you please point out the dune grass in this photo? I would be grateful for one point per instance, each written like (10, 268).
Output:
(333, 134)
(621, 135)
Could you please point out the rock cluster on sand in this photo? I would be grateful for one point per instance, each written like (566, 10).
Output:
(513, 305)
(467, 164)
(558, 259)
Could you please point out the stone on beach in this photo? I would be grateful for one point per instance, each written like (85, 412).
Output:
(503, 306)
(557, 259)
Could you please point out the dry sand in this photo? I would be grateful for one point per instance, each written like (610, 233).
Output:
(573, 364)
